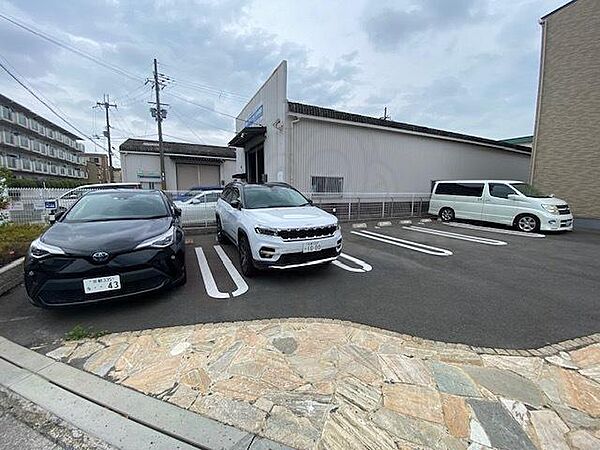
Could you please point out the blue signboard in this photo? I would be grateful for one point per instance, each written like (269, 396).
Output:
(50, 204)
(255, 117)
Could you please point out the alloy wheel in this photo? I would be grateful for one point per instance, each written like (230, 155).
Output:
(527, 223)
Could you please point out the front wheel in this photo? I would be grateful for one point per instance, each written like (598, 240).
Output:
(221, 239)
(447, 214)
(246, 259)
(527, 223)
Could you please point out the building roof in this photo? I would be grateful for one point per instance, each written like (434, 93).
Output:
(317, 111)
(560, 8)
(177, 148)
(519, 140)
(20, 108)
(247, 134)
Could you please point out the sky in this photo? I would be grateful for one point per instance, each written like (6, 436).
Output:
(468, 66)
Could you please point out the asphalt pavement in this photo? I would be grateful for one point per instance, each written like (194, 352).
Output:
(525, 294)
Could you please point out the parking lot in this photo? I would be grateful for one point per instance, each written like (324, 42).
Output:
(455, 284)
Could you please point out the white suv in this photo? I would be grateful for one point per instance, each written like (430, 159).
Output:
(275, 226)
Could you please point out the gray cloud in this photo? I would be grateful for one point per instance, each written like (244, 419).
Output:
(390, 26)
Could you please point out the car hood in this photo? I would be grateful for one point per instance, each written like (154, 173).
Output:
(550, 200)
(114, 236)
(300, 217)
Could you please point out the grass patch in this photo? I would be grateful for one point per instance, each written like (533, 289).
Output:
(78, 332)
(15, 240)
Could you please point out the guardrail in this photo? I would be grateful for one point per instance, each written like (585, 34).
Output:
(28, 205)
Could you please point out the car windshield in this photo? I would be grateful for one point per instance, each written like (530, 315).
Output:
(272, 197)
(528, 190)
(117, 206)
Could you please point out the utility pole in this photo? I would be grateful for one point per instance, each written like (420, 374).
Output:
(106, 105)
(159, 119)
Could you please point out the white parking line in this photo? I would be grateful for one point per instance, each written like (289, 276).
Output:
(241, 284)
(462, 237)
(364, 267)
(417, 247)
(494, 230)
(209, 282)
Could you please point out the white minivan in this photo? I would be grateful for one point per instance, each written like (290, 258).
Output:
(506, 202)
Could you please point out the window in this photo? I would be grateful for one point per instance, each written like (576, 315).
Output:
(7, 113)
(26, 164)
(51, 151)
(265, 196)
(35, 146)
(49, 133)
(500, 190)
(12, 161)
(461, 189)
(327, 185)
(21, 119)
(53, 169)
(23, 141)
(9, 138)
(38, 166)
(33, 125)
(118, 206)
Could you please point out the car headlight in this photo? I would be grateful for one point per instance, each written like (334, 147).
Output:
(160, 241)
(338, 227)
(552, 209)
(39, 249)
(266, 231)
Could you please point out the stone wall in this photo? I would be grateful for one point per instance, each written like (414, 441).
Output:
(567, 146)
(11, 275)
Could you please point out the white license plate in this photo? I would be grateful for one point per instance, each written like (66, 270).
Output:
(102, 284)
(309, 247)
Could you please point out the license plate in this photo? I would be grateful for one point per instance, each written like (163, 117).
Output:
(311, 247)
(102, 284)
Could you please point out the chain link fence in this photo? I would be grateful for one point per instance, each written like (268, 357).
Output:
(34, 205)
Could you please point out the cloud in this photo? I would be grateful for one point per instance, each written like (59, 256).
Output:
(391, 26)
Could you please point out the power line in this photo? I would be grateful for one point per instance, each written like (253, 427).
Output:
(14, 77)
(182, 120)
(65, 46)
(191, 102)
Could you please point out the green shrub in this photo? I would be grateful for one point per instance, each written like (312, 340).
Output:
(15, 240)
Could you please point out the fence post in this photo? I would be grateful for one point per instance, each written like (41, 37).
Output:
(412, 205)
(349, 209)
(383, 208)
(359, 207)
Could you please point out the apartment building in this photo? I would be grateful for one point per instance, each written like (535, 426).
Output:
(97, 168)
(34, 147)
(566, 149)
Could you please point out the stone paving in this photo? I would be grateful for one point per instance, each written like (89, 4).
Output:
(327, 384)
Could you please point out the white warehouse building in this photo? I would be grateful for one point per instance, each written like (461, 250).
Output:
(320, 150)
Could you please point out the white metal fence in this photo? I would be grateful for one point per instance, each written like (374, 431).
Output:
(29, 205)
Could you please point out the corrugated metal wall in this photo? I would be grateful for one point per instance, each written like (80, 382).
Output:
(374, 160)
(273, 97)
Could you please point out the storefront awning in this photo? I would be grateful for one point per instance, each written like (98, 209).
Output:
(246, 135)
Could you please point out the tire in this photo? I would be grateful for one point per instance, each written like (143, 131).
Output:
(246, 260)
(527, 223)
(221, 238)
(446, 214)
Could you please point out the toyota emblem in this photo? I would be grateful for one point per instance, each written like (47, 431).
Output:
(100, 256)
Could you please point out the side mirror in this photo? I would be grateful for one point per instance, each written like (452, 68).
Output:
(177, 211)
(195, 201)
(58, 214)
(236, 204)
(514, 197)
(310, 202)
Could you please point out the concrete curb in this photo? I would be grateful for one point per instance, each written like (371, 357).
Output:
(11, 275)
(117, 415)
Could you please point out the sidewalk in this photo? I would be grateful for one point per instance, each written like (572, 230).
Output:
(108, 413)
(314, 383)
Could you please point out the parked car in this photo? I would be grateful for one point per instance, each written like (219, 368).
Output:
(275, 226)
(193, 191)
(199, 208)
(108, 245)
(68, 199)
(512, 203)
